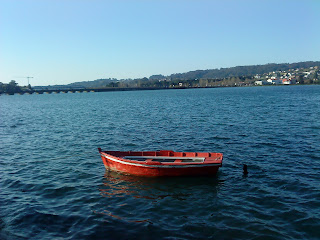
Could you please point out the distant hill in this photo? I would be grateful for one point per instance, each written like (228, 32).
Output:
(93, 84)
(242, 70)
(221, 73)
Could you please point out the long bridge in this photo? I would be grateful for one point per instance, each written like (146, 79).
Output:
(78, 90)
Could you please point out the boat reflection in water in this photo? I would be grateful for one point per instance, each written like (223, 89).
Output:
(131, 198)
(120, 185)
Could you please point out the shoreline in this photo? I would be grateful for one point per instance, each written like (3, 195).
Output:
(87, 90)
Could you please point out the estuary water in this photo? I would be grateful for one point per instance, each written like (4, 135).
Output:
(53, 184)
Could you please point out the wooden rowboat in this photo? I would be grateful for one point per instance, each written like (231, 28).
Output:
(162, 163)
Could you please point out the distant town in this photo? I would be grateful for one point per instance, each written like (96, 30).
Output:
(292, 76)
(257, 75)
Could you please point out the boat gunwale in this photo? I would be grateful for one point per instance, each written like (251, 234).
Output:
(207, 161)
(164, 165)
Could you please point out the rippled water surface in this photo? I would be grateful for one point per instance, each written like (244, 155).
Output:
(53, 184)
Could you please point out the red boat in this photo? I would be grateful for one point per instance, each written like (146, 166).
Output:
(162, 163)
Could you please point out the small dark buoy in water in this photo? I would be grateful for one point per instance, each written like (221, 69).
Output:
(245, 169)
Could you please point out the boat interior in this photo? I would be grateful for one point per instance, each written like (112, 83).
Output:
(165, 159)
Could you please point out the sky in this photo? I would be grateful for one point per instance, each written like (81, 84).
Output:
(66, 41)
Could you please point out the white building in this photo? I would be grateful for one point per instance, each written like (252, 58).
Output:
(261, 82)
(273, 81)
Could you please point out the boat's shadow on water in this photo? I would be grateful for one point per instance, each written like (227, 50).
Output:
(153, 188)
(128, 199)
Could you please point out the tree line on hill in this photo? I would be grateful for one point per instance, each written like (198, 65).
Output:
(186, 83)
(243, 70)
(234, 76)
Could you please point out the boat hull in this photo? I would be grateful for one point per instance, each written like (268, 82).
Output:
(157, 169)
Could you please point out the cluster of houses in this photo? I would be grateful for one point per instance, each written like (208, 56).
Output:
(283, 77)
(276, 81)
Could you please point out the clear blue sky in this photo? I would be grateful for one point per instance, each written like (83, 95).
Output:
(64, 41)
